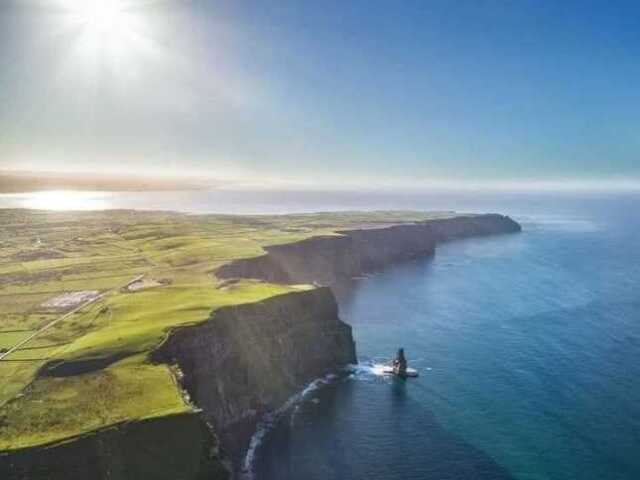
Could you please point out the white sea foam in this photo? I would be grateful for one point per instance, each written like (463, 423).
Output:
(369, 370)
(269, 420)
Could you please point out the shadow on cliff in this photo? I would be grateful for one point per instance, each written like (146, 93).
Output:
(346, 290)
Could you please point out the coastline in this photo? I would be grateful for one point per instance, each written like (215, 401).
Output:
(295, 262)
(362, 246)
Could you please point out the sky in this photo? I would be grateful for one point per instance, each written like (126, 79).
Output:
(324, 92)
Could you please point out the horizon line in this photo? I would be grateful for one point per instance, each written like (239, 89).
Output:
(35, 181)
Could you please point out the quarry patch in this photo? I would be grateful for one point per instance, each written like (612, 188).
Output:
(144, 283)
(70, 300)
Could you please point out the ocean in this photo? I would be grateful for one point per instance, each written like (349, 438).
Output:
(528, 346)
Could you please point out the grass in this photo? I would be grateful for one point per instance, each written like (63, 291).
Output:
(53, 408)
(45, 254)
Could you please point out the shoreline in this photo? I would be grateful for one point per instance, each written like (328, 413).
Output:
(277, 265)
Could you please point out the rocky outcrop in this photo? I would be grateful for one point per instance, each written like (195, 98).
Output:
(249, 359)
(328, 259)
(165, 448)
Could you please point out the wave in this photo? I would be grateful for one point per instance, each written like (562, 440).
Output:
(269, 420)
(368, 369)
(375, 370)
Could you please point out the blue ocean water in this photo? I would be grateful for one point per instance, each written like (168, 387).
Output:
(528, 347)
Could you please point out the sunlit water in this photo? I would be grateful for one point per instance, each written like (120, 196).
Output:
(562, 207)
(528, 345)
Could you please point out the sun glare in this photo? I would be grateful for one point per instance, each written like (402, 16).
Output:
(113, 31)
(100, 17)
(61, 200)
(103, 16)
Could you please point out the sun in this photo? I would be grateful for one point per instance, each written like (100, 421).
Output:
(102, 16)
(108, 36)
(110, 23)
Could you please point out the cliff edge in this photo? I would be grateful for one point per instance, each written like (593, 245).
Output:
(249, 359)
(326, 260)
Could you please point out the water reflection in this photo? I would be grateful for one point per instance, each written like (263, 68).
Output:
(58, 200)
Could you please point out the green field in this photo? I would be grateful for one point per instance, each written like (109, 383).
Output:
(44, 255)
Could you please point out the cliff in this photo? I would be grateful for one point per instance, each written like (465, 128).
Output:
(165, 448)
(249, 359)
(243, 361)
(326, 260)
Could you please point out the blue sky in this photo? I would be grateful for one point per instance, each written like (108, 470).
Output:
(393, 92)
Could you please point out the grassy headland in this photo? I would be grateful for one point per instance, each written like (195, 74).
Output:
(45, 255)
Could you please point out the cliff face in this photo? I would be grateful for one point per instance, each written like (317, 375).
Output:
(329, 259)
(166, 448)
(249, 359)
